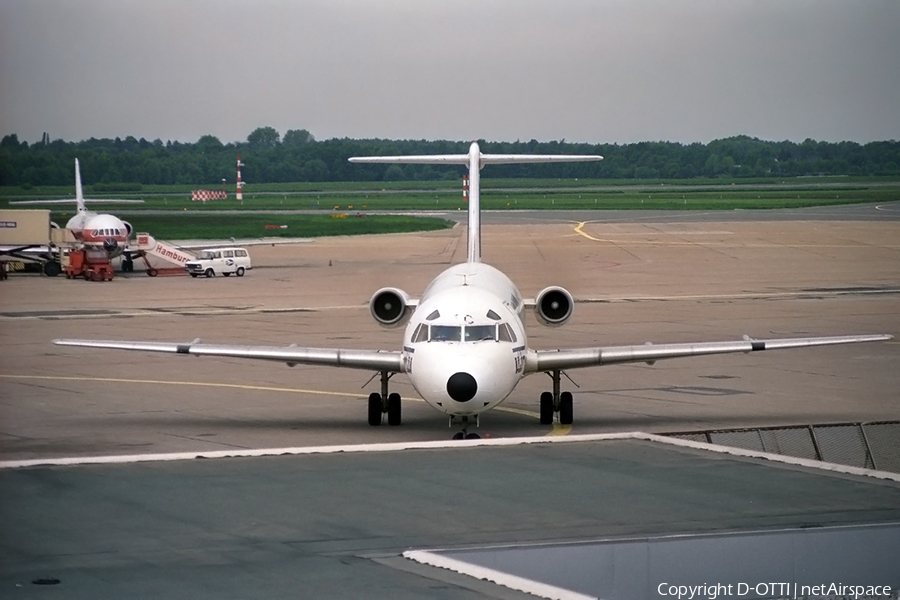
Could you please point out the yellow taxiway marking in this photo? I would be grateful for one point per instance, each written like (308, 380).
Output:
(184, 383)
(627, 243)
(579, 231)
(560, 429)
(261, 388)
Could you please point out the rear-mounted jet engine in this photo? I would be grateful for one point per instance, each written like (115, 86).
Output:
(390, 307)
(553, 306)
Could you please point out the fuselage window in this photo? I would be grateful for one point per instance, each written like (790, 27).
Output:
(445, 333)
(480, 333)
(421, 333)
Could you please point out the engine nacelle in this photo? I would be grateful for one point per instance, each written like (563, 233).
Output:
(553, 306)
(128, 227)
(390, 307)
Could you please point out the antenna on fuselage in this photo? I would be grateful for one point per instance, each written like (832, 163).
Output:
(475, 161)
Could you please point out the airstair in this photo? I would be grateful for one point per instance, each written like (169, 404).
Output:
(147, 245)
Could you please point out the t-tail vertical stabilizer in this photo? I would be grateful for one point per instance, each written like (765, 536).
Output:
(79, 195)
(475, 161)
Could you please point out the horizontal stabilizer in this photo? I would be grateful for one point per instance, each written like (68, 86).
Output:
(484, 159)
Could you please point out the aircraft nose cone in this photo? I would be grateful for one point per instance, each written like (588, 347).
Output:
(462, 387)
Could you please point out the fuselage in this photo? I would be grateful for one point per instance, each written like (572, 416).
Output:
(100, 231)
(464, 346)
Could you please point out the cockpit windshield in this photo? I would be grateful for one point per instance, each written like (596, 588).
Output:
(445, 333)
(470, 333)
(480, 333)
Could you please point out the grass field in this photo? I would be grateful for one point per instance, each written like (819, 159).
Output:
(177, 226)
(500, 194)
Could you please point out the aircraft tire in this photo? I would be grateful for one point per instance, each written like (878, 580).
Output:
(239, 272)
(546, 408)
(473, 436)
(193, 274)
(52, 268)
(394, 410)
(374, 409)
(566, 409)
(152, 272)
(209, 273)
(459, 435)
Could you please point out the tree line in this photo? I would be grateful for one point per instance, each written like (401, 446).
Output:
(299, 157)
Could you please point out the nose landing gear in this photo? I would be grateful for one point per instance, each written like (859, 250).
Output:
(556, 401)
(464, 434)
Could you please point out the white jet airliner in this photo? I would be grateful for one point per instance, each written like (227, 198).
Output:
(465, 345)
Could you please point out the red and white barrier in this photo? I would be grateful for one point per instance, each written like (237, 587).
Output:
(204, 195)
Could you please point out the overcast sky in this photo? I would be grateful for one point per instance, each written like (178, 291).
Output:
(598, 71)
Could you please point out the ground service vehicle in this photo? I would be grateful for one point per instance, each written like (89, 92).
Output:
(92, 264)
(220, 261)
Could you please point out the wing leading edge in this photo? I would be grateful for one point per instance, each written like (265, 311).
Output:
(370, 360)
(558, 360)
(536, 360)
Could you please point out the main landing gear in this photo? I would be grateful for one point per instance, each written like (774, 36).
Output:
(556, 401)
(382, 403)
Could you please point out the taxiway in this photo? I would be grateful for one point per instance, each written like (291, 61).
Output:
(227, 527)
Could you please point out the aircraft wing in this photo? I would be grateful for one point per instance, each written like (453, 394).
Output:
(552, 360)
(369, 360)
(25, 249)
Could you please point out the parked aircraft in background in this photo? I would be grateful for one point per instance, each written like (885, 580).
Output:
(465, 347)
(97, 230)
